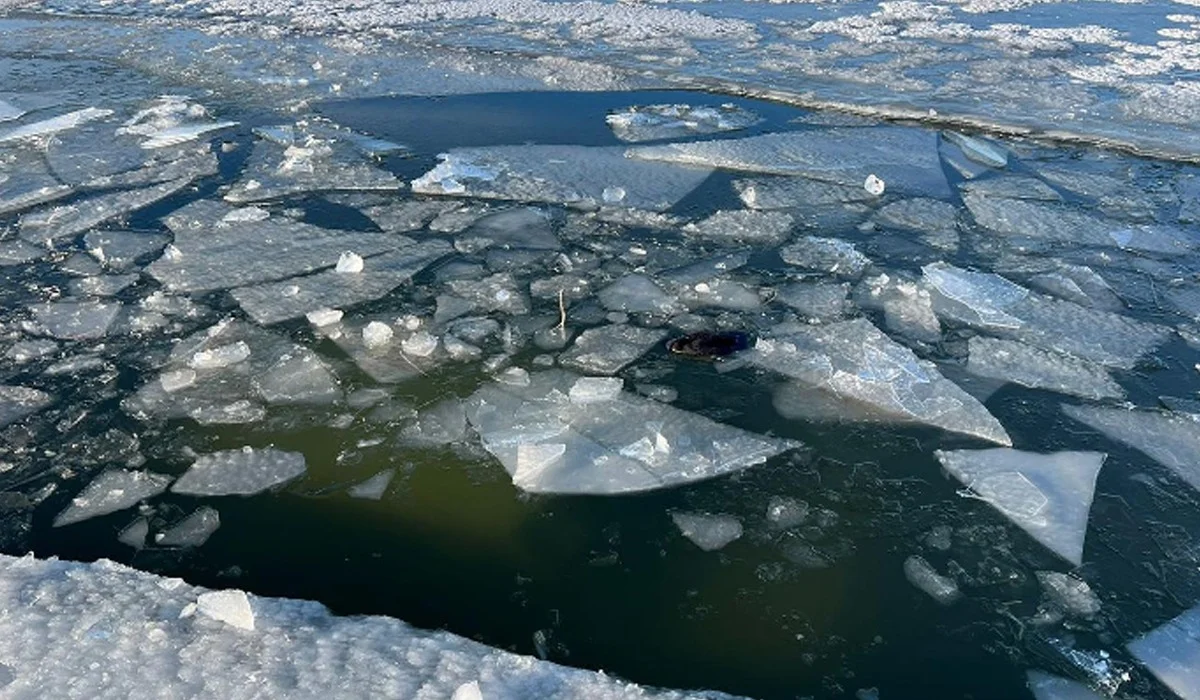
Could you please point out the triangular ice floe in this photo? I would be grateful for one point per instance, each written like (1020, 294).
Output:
(1171, 439)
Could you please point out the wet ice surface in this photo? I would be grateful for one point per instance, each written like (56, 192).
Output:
(207, 296)
(1172, 653)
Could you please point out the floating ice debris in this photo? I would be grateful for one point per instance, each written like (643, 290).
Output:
(272, 302)
(24, 351)
(784, 513)
(408, 215)
(376, 335)
(907, 307)
(445, 423)
(550, 444)
(376, 345)
(936, 221)
(605, 350)
(978, 149)
(320, 318)
(518, 227)
(75, 320)
(101, 285)
(27, 182)
(373, 489)
(855, 361)
(192, 531)
(824, 301)
(636, 293)
(230, 606)
(873, 185)
(468, 691)
(349, 262)
(113, 490)
(54, 124)
(1069, 593)
(1040, 369)
(922, 575)
(9, 111)
(593, 389)
(1046, 495)
(240, 472)
(907, 159)
(134, 535)
(572, 175)
(499, 292)
(48, 225)
(16, 402)
(1172, 440)
(827, 255)
(1078, 284)
(708, 532)
(175, 380)
(220, 356)
(1011, 187)
(652, 122)
(1172, 653)
(992, 303)
(119, 250)
(419, 344)
(1047, 687)
(743, 227)
(94, 157)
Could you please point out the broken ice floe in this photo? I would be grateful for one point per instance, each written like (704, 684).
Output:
(992, 303)
(831, 255)
(53, 125)
(906, 159)
(241, 472)
(272, 302)
(16, 402)
(743, 227)
(605, 350)
(373, 488)
(119, 250)
(384, 348)
(1172, 653)
(135, 533)
(192, 531)
(978, 149)
(1011, 187)
(796, 193)
(855, 361)
(288, 161)
(572, 175)
(1040, 369)
(74, 320)
(113, 490)
(1047, 687)
(907, 307)
(706, 531)
(936, 221)
(551, 444)
(1070, 594)
(652, 122)
(170, 121)
(921, 574)
(1172, 440)
(824, 301)
(1048, 496)
(47, 225)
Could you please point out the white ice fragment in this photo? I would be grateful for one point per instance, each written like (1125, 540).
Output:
(873, 185)
(743, 226)
(1171, 439)
(192, 531)
(376, 335)
(468, 691)
(593, 389)
(1046, 495)
(240, 472)
(1072, 595)
(75, 320)
(636, 293)
(1172, 653)
(176, 379)
(175, 135)
(229, 606)
(706, 531)
(613, 195)
(978, 150)
(113, 490)
(373, 489)
(1040, 369)
(514, 376)
(221, 356)
(420, 344)
(349, 263)
(921, 574)
(320, 318)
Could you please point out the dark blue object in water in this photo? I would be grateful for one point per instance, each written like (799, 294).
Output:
(708, 345)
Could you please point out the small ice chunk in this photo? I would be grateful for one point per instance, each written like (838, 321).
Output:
(783, 512)
(824, 301)
(113, 490)
(134, 535)
(743, 227)
(192, 531)
(1047, 687)
(468, 691)
(444, 423)
(349, 263)
(320, 318)
(921, 574)
(593, 389)
(16, 402)
(419, 344)
(1172, 653)
(176, 379)
(706, 531)
(24, 351)
(672, 121)
(53, 125)
(297, 378)
(637, 294)
(221, 356)
(605, 350)
(373, 489)
(978, 149)
(240, 472)
(826, 255)
(230, 606)
(1069, 593)
(1172, 440)
(1046, 495)
(873, 185)
(376, 334)
(75, 320)
(1040, 369)
(50, 224)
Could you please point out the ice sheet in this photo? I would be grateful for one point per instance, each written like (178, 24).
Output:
(1171, 439)
(550, 444)
(826, 255)
(241, 472)
(906, 159)
(572, 175)
(53, 125)
(856, 361)
(102, 628)
(113, 490)
(1172, 653)
(796, 193)
(1040, 369)
(1048, 496)
(605, 350)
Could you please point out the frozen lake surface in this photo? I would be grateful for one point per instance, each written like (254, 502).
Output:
(368, 304)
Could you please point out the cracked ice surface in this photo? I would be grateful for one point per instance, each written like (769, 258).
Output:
(551, 444)
(1171, 439)
(241, 472)
(1048, 496)
(1172, 653)
(906, 159)
(572, 175)
(127, 635)
(856, 361)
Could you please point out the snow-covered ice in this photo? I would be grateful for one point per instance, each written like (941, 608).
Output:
(1048, 496)
(241, 472)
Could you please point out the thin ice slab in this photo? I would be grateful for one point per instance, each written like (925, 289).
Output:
(605, 350)
(75, 320)
(1048, 496)
(45, 226)
(856, 361)
(192, 531)
(746, 227)
(384, 348)
(574, 175)
(1019, 363)
(1172, 653)
(707, 531)
(16, 402)
(552, 443)
(241, 472)
(671, 121)
(113, 490)
(905, 159)
(53, 125)
(1171, 439)
(1047, 687)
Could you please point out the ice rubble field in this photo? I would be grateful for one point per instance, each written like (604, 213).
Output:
(189, 286)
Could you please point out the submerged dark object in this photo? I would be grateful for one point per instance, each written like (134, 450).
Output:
(706, 344)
